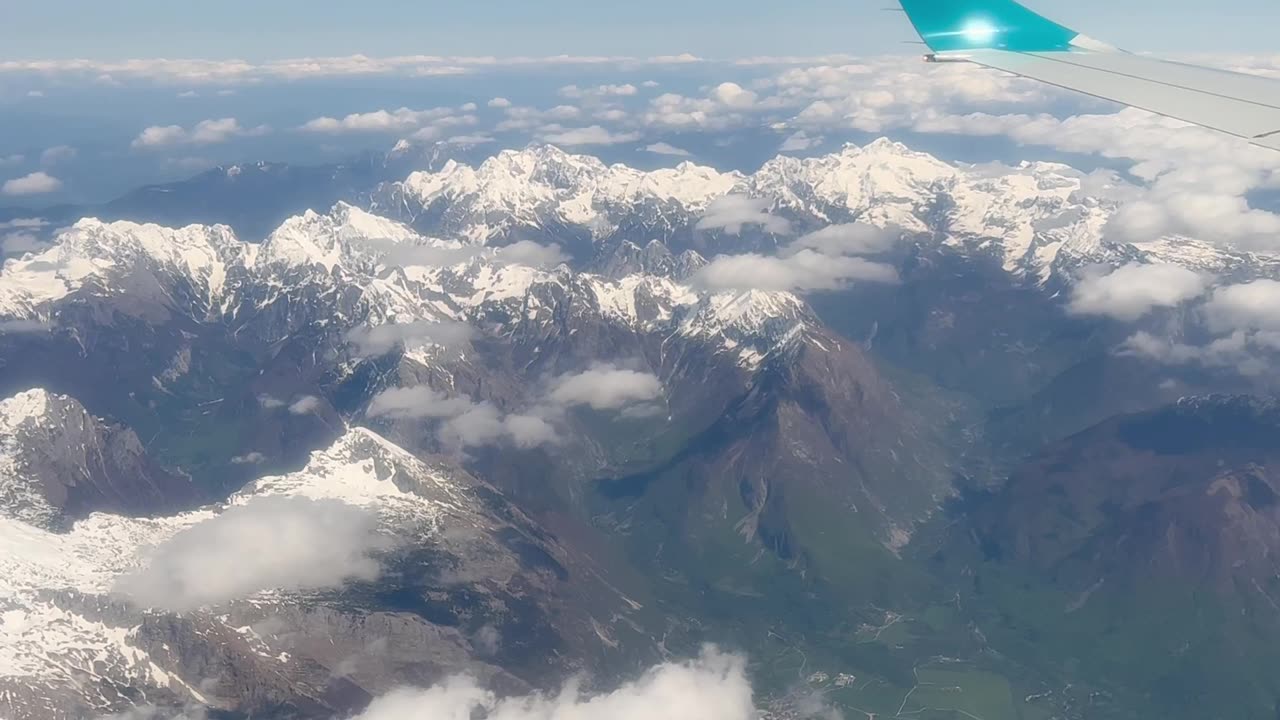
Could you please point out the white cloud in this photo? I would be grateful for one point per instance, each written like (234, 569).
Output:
(252, 458)
(662, 148)
(733, 95)
(10, 160)
(593, 135)
(389, 121)
(37, 183)
(420, 402)
(57, 154)
(465, 423)
(484, 424)
(382, 339)
(849, 239)
(804, 270)
(712, 687)
(598, 92)
(499, 103)
(605, 387)
(269, 543)
(1130, 292)
(732, 213)
(1250, 354)
(205, 132)
(305, 405)
(799, 141)
(1247, 306)
(270, 403)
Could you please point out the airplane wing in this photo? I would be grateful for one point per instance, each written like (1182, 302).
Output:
(1005, 35)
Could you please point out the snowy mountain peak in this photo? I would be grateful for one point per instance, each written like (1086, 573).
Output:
(324, 241)
(147, 260)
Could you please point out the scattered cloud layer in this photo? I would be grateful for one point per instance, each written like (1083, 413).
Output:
(269, 543)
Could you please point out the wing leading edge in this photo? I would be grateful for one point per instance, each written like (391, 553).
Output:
(1004, 35)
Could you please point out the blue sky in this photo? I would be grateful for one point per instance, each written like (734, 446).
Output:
(257, 30)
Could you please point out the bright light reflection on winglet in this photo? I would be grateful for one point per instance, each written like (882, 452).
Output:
(979, 32)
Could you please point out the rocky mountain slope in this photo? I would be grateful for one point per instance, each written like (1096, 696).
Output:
(1153, 535)
(458, 580)
(58, 463)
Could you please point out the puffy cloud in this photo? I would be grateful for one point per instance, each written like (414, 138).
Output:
(1247, 306)
(37, 183)
(731, 213)
(270, 403)
(381, 339)
(598, 92)
(57, 154)
(849, 239)
(804, 270)
(205, 132)
(733, 95)
(484, 424)
(420, 402)
(499, 103)
(402, 120)
(1249, 354)
(305, 405)
(592, 135)
(662, 148)
(269, 543)
(712, 687)
(1130, 292)
(465, 423)
(605, 387)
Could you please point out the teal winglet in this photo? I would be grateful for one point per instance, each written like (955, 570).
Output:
(958, 25)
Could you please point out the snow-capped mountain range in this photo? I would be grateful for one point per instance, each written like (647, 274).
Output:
(1034, 218)
(367, 268)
